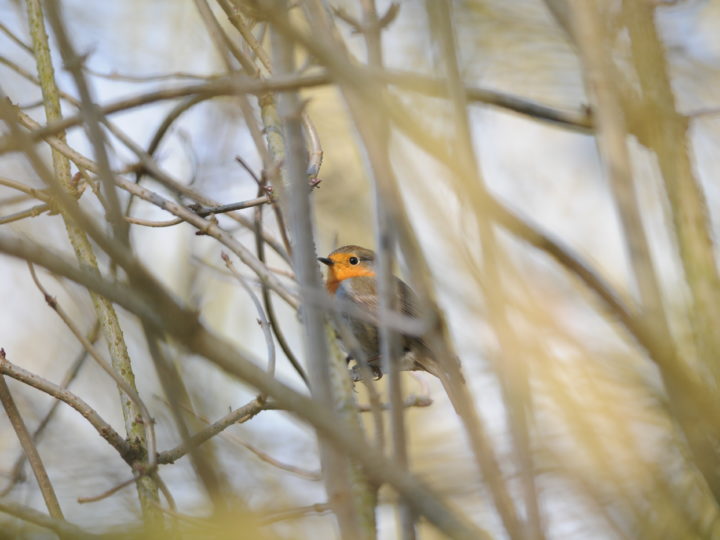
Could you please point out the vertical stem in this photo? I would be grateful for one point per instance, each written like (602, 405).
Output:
(511, 372)
(664, 131)
(92, 117)
(350, 496)
(387, 291)
(202, 458)
(30, 450)
(687, 395)
(146, 486)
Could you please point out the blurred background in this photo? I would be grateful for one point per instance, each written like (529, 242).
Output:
(608, 460)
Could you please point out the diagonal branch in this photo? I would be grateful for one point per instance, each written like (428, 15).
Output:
(61, 527)
(28, 446)
(105, 430)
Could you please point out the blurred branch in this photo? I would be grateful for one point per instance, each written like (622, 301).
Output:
(385, 239)
(31, 192)
(262, 456)
(410, 401)
(266, 102)
(222, 42)
(149, 223)
(59, 526)
(39, 194)
(13, 37)
(580, 120)
(203, 460)
(28, 446)
(688, 395)
(115, 76)
(509, 368)
(654, 118)
(238, 83)
(350, 494)
(296, 513)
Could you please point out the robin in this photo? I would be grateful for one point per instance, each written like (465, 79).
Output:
(351, 276)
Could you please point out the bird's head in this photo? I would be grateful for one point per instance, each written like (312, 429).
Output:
(348, 262)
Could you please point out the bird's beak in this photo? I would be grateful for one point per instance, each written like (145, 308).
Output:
(325, 260)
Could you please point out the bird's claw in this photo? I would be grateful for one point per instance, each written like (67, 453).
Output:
(356, 373)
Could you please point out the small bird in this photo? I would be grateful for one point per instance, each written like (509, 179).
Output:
(351, 276)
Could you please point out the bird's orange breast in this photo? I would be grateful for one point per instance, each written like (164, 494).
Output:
(337, 273)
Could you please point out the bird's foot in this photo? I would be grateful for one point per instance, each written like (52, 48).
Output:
(356, 373)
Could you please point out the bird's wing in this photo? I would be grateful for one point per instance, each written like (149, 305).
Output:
(363, 291)
(408, 299)
(360, 290)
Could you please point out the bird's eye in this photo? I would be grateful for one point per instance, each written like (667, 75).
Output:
(353, 260)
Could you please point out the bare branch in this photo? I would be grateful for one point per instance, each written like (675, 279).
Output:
(101, 426)
(106, 494)
(264, 324)
(28, 446)
(297, 513)
(72, 372)
(61, 527)
(240, 415)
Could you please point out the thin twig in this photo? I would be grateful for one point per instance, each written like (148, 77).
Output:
(32, 212)
(72, 372)
(153, 77)
(267, 298)
(105, 494)
(242, 414)
(264, 324)
(296, 513)
(386, 238)
(149, 223)
(28, 446)
(39, 194)
(204, 211)
(410, 401)
(304, 473)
